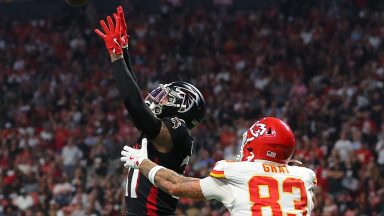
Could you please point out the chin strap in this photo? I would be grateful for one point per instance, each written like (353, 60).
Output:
(250, 157)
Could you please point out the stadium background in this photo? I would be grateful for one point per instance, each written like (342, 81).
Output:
(317, 64)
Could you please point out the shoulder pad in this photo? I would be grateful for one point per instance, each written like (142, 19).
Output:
(314, 178)
(308, 174)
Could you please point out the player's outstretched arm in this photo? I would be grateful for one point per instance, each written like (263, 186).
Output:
(128, 63)
(141, 115)
(171, 182)
(166, 179)
(119, 16)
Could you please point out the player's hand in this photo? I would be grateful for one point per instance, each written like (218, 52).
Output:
(123, 26)
(111, 36)
(134, 157)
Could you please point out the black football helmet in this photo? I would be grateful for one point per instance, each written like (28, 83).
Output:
(180, 99)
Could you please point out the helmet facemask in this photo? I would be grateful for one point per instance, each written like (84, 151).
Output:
(160, 97)
(245, 154)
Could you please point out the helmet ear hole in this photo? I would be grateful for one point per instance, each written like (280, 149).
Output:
(269, 132)
(250, 149)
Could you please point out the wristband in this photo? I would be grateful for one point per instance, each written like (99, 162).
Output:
(152, 173)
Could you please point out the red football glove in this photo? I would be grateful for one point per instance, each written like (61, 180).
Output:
(123, 26)
(112, 36)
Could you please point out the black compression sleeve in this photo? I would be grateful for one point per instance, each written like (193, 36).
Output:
(141, 115)
(128, 62)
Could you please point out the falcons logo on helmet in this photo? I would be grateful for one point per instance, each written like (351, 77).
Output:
(189, 98)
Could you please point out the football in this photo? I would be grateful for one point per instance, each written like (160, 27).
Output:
(76, 3)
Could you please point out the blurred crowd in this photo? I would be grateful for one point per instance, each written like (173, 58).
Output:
(319, 67)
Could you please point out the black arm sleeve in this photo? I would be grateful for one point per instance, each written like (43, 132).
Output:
(141, 115)
(128, 62)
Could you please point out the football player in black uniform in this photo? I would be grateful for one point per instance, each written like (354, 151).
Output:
(165, 118)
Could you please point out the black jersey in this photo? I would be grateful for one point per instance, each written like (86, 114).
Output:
(143, 198)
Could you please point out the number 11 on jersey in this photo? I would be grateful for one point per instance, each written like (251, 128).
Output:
(134, 181)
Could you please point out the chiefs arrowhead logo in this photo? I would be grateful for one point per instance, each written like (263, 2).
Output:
(258, 129)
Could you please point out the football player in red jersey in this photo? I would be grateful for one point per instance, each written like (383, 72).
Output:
(261, 183)
(165, 118)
